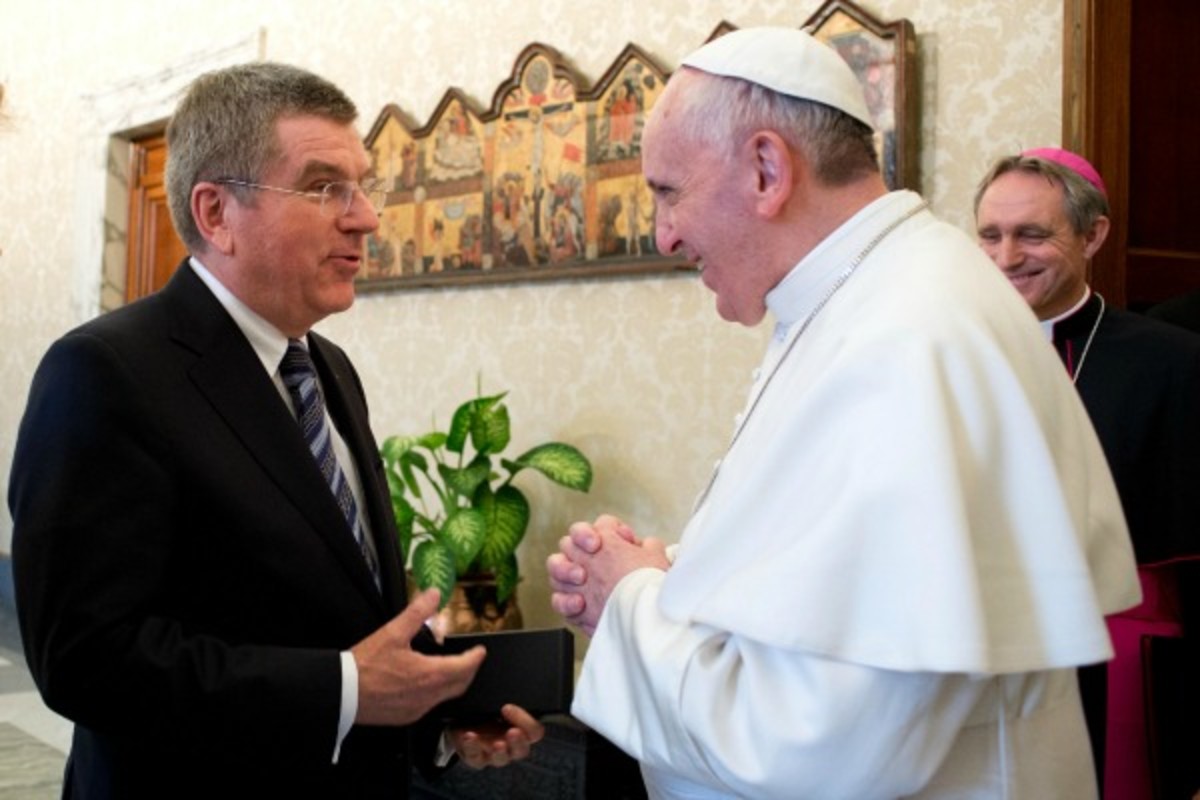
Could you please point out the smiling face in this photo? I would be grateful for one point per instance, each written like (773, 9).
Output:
(1023, 226)
(703, 209)
(290, 262)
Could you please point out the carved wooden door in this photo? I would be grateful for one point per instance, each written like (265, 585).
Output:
(155, 250)
(1130, 72)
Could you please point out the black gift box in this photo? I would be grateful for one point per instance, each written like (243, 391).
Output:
(534, 669)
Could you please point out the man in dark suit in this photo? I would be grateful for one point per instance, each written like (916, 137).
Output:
(1041, 216)
(1182, 310)
(220, 614)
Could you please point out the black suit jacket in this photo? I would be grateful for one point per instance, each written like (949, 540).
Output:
(1183, 310)
(1140, 382)
(185, 580)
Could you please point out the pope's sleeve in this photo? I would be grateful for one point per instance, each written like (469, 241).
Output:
(759, 721)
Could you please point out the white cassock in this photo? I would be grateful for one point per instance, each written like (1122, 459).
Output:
(909, 547)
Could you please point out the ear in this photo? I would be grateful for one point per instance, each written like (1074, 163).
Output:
(211, 207)
(1096, 236)
(774, 167)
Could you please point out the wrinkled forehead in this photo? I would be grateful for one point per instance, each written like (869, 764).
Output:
(1018, 193)
(665, 109)
(319, 147)
(673, 121)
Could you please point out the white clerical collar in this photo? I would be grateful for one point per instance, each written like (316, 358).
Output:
(1048, 324)
(268, 342)
(801, 289)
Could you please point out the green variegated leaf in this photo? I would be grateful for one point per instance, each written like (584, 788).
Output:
(467, 480)
(433, 565)
(395, 483)
(431, 441)
(490, 431)
(414, 459)
(405, 515)
(395, 446)
(559, 462)
(460, 427)
(507, 515)
(463, 534)
(407, 463)
(467, 419)
(507, 577)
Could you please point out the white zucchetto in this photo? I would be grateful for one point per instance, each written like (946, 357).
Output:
(788, 61)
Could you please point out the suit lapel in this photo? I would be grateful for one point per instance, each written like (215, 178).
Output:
(229, 374)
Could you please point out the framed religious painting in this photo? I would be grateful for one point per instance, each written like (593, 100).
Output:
(543, 184)
(884, 57)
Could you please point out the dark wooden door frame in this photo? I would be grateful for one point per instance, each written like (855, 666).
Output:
(1096, 50)
(1128, 106)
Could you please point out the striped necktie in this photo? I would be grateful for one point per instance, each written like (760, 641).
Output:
(300, 378)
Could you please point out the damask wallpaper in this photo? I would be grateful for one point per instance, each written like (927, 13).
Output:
(638, 372)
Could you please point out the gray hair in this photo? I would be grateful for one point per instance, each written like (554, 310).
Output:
(1082, 202)
(720, 110)
(224, 127)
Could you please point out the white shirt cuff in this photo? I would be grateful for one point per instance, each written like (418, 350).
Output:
(445, 750)
(349, 701)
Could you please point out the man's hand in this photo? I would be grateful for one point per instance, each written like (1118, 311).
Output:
(591, 560)
(496, 745)
(397, 685)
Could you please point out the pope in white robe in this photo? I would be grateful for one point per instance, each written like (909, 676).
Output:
(910, 544)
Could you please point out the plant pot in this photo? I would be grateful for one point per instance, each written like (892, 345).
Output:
(473, 608)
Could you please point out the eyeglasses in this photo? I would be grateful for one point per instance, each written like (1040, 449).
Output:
(336, 196)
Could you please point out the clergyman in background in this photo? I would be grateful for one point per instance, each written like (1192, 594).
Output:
(1041, 216)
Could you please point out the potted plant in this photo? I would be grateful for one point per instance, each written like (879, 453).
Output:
(459, 515)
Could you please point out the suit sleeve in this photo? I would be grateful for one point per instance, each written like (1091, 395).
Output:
(96, 545)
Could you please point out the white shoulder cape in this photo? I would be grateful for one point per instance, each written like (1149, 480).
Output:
(919, 486)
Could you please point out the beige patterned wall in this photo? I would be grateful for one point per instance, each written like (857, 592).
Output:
(640, 373)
